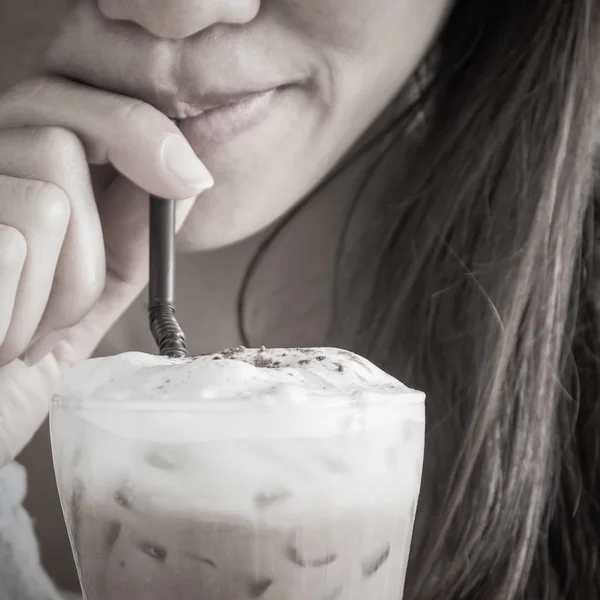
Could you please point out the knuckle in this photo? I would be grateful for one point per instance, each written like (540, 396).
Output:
(62, 147)
(52, 206)
(22, 90)
(93, 282)
(78, 284)
(13, 248)
(30, 86)
(136, 114)
(90, 286)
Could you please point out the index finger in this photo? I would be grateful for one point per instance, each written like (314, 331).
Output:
(138, 140)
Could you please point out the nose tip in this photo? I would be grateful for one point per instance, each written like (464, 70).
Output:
(179, 19)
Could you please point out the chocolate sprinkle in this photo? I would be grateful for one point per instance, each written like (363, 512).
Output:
(263, 363)
(229, 352)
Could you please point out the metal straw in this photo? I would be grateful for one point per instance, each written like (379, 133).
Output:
(165, 329)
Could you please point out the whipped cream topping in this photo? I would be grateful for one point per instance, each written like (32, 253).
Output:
(303, 392)
(267, 436)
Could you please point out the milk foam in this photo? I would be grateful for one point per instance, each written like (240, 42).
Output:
(251, 393)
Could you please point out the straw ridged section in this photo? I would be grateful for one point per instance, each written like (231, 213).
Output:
(168, 335)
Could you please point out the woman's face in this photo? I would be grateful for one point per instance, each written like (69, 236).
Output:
(320, 72)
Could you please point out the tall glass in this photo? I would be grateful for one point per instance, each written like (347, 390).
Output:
(238, 507)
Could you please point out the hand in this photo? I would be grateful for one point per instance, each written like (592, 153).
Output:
(70, 262)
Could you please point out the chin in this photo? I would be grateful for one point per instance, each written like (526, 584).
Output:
(245, 201)
(204, 230)
(199, 239)
(202, 241)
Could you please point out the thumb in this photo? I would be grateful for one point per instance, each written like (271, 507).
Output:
(124, 213)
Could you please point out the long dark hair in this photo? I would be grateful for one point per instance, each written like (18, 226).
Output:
(482, 295)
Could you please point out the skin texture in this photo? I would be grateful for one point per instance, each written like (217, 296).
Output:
(348, 61)
(77, 161)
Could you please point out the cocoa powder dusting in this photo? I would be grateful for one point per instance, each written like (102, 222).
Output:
(263, 363)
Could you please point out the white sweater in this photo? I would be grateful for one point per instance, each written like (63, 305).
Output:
(21, 574)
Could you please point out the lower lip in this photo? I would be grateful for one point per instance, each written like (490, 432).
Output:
(221, 125)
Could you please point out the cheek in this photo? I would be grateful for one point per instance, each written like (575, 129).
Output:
(366, 51)
(355, 26)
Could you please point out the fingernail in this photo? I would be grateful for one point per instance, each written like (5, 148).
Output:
(183, 163)
(38, 350)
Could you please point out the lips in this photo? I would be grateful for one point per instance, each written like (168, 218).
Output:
(180, 110)
(221, 124)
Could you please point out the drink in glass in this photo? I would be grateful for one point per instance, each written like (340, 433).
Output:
(287, 474)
